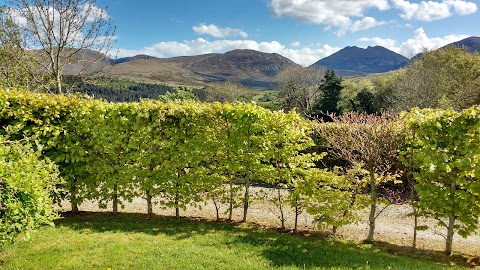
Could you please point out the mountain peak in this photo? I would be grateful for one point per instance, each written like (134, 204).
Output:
(353, 60)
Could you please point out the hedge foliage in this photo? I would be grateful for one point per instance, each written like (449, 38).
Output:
(189, 152)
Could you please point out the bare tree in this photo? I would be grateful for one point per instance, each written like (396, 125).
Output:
(62, 36)
(300, 88)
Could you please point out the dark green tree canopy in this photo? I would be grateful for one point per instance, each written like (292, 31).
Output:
(331, 87)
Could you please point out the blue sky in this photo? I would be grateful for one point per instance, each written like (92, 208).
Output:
(302, 30)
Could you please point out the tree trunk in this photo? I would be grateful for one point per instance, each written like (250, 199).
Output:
(373, 208)
(230, 207)
(59, 82)
(217, 209)
(282, 218)
(450, 231)
(74, 207)
(149, 203)
(115, 199)
(295, 227)
(451, 221)
(415, 222)
(177, 202)
(73, 198)
(246, 198)
(297, 213)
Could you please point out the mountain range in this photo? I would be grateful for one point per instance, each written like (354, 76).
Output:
(256, 69)
(248, 67)
(351, 61)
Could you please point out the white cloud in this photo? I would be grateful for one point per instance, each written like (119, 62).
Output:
(420, 42)
(296, 44)
(365, 23)
(384, 42)
(93, 13)
(431, 10)
(303, 56)
(416, 44)
(462, 7)
(336, 14)
(49, 22)
(218, 32)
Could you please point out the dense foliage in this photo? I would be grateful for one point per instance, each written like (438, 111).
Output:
(446, 154)
(186, 152)
(445, 78)
(26, 183)
(118, 90)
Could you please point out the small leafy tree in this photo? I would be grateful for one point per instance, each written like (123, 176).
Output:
(350, 97)
(288, 137)
(446, 155)
(332, 197)
(26, 183)
(359, 138)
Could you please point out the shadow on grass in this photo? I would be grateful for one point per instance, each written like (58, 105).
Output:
(281, 249)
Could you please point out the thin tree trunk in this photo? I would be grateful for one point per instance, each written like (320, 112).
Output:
(415, 223)
(297, 213)
(246, 199)
(282, 218)
(59, 82)
(177, 201)
(73, 198)
(217, 209)
(115, 198)
(450, 231)
(149, 203)
(230, 207)
(451, 222)
(373, 208)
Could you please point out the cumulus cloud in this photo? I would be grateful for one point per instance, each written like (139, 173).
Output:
(336, 14)
(431, 10)
(304, 56)
(218, 32)
(419, 42)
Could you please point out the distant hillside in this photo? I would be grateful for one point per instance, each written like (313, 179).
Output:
(357, 61)
(248, 67)
(126, 59)
(471, 44)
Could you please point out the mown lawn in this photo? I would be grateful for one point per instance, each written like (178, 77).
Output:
(131, 241)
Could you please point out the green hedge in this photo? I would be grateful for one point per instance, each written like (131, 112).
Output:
(189, 152)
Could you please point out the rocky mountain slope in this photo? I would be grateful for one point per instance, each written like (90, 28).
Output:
(251, 68)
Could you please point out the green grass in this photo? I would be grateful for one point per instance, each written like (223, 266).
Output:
(268, 99)
(130, 241)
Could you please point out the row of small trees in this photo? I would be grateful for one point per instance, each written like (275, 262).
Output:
(190, 152)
